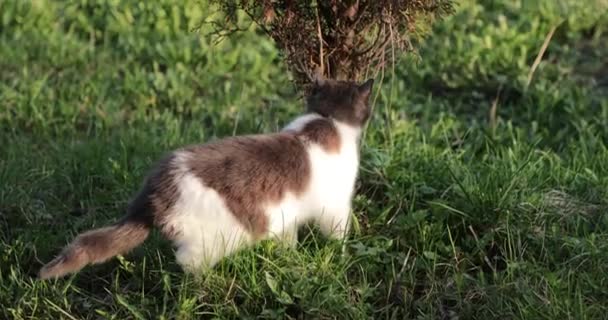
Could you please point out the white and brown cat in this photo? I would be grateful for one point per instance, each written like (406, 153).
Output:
(212, 199)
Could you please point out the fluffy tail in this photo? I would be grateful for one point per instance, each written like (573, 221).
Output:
(97, 246)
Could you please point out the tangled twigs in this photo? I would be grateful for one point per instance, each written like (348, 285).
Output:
(344, 38)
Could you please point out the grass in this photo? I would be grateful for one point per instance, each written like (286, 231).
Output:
(480, 196)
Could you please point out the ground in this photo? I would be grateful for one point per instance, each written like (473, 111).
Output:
(482, 191)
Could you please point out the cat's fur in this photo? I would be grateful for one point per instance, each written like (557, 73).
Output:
(215, 198)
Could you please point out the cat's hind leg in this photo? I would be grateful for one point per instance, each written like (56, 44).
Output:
(192, 259)
(204, 254)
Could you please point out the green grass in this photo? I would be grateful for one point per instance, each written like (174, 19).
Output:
(458, 213)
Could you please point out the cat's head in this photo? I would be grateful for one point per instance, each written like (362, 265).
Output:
(344, 101)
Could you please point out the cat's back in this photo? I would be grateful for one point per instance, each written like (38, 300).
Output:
(264, 165)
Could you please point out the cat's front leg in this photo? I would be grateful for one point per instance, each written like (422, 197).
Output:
(335, 224)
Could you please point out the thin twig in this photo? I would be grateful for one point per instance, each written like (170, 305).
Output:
(541, 53)
(320, 35)
(494, 108)
(379, 71)
(390, 98)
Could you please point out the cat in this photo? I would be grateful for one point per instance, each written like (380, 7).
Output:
(212, 199)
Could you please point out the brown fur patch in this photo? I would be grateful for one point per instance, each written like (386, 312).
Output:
(252, 171)
(323, 132)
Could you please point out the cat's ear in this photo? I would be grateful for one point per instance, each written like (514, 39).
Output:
(365, 89)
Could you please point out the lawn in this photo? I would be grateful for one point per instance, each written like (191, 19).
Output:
(483, 187)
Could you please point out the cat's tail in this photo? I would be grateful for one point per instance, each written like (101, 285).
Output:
(99, 245)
